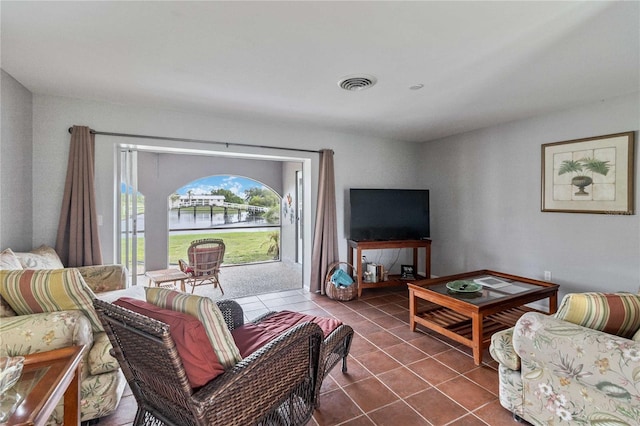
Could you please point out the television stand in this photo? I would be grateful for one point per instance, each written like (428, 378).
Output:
(394, 280)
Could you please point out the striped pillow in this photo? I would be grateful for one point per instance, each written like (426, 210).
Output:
(207, 311)
(617, 314)
(32, 291)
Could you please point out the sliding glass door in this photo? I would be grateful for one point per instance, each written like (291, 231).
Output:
(131, 214)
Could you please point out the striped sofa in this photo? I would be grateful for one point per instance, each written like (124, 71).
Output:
(579, 366)
(100, 278)
(47, 309)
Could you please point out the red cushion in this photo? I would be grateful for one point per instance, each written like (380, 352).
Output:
(284, 320)
(198, 357)
(251, 337)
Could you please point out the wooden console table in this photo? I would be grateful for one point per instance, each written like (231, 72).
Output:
(393, 280)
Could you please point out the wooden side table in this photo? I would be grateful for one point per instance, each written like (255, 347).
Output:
(46, 377)
(165, 276)
(393, 280)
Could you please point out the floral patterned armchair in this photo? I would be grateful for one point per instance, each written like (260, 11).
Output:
(553, 371)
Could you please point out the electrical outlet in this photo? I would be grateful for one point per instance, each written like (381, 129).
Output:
(547, 275)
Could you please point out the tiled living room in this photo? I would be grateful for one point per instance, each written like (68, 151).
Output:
(470, 101)
(395, 376)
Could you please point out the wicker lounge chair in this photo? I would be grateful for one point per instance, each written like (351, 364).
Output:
(205, 258)
(276, 385)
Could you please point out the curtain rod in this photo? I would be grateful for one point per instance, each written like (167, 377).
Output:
(166, 138)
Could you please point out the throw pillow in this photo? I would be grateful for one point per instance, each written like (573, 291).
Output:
(9, 261)
(43, 257)
(207, 259)
(198, 357)
(31, 291)
(209, 315)
(617, 314)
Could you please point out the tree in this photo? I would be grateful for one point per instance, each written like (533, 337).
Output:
(273, 245)
(261, 197)
(174, 199)
(229, 196)
(273, 215)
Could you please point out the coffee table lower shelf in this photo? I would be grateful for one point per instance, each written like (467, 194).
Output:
(459, 327)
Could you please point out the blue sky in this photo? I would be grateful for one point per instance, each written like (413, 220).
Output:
(235, 184)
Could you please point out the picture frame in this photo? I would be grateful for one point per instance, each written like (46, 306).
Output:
(407, 272)
(590, 175)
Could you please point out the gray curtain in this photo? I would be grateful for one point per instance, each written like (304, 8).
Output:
(77, 242)
(325, 240)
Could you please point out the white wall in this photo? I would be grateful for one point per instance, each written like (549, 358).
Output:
(485, 204)
(288, 220)
(15, 165)
(359, 161)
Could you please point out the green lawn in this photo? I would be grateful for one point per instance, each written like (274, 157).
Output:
(241, 247)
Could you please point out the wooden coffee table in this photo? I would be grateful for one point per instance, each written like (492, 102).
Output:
(46, 377)
(471, 318)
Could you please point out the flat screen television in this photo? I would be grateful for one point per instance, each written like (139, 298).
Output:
(389, 214)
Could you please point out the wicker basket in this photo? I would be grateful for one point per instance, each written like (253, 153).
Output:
(342, 294)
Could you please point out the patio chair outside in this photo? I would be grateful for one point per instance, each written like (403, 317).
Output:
(205, 258)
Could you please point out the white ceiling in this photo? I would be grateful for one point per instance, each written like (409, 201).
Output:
(481, 63)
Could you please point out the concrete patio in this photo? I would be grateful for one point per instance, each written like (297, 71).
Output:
(249, 280)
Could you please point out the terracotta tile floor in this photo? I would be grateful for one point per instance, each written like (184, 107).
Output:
(396, 377)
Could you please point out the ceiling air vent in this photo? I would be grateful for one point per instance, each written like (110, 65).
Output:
(357, 82)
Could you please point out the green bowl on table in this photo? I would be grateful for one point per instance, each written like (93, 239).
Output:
(464, 286)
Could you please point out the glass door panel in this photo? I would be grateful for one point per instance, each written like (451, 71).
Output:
(131, 215)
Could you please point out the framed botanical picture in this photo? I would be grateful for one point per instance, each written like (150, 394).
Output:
(592, 175)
